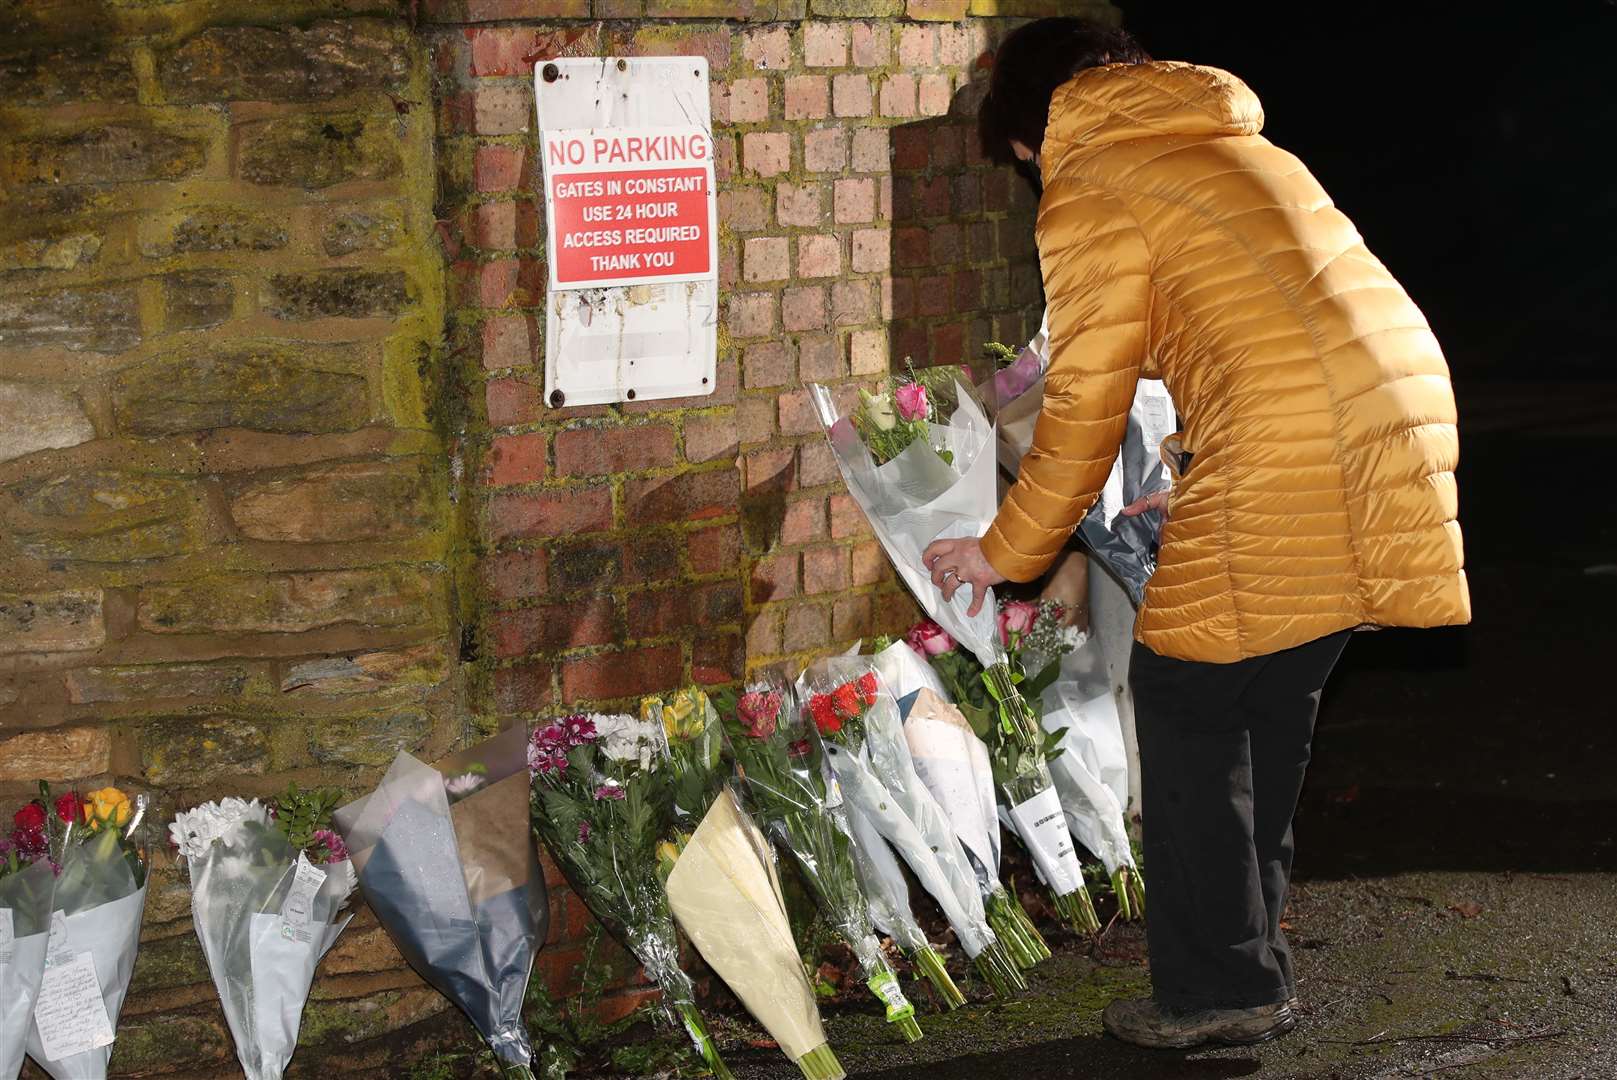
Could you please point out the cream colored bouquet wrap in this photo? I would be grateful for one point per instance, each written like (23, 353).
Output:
(727, 898)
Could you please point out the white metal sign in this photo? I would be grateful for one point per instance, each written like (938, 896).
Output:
(626, 150)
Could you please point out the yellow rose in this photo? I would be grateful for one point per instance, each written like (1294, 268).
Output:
(668, 852)
(109, 806)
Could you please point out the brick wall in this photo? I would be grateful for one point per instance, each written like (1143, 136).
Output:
(278, 495)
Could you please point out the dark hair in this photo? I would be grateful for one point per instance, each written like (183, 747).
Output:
(1030, 64)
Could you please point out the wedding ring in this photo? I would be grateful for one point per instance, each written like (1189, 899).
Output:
(947, 574)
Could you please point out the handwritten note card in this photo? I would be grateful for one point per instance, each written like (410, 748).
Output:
(71, 1015)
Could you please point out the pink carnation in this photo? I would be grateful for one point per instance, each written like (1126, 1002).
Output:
(759, 711)
(912, 404)
(609, 791)
(578, 729)
(928, 639)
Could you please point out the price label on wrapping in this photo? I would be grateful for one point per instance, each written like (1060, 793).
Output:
(885, 986)
(8, 935)
(1043, 828)
(298, 911)
(70, 1014)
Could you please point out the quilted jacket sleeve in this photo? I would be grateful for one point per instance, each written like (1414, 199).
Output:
(1098, 287)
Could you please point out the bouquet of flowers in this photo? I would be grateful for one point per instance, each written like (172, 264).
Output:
(600, 808)
(724, 891)
(1022, 772)
(858, 722)
(445, 860)
(27, 886)
(782, 771)
(944, 487)
(268, 883)
(94, 934)
(954, 764)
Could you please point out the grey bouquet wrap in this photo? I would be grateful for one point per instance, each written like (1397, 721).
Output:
(447, 863)
(25, 924)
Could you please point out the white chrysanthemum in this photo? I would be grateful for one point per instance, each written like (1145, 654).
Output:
(626, 738)
(195, 831)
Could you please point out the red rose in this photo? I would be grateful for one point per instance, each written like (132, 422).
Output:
(846, 698)
(825, 714)
(867, 687)
(67, 807)
(30, 818)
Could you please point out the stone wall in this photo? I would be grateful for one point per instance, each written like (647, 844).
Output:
(278, 494)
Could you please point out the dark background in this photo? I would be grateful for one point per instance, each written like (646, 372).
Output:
(1473, 150)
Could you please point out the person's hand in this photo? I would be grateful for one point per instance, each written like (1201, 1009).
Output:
(953, 563)
(1157, 500)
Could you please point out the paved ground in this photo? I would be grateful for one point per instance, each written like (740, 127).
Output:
(1456, 906)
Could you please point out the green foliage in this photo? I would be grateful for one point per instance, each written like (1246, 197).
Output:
(1001, 355)
(300, 813)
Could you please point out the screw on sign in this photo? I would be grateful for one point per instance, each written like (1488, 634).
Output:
(629, 206)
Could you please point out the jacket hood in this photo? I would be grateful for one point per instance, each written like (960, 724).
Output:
(1137, 101)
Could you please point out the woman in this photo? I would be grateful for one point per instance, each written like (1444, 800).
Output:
(1313, 486)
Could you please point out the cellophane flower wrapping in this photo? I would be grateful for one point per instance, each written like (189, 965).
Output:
(446, 861)
(95, 933)
(601, 810)
(780, 764)
(858, 722)
(265, 915)
(27, 887)
(724, 892)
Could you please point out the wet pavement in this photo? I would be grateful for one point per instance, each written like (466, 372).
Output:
(1455, 912)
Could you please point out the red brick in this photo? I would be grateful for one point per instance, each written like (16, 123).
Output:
(825, 44)
(522, 689)
(763, 636)
(494, 226)
(499, 51)
(872, 150)
(767, 258)
(800, 204)
(517, 459)
(511, 402)
(872, 250)
(744, 209)
(932, 196)
(903, 297)
(717, 659)
(808, 97)
(851, 95)
(898, 96)
(867, 352)
(606, 451)
(996, 191)
(967, 195)
(708, 438)
(958, 46)
(819, 256)
(934, 295)
(911, 341)
(912, 246)
(917, 46)
(819, 356)
(650, 558)
(505, 10)
(946, 244)
(825, 569)
(508, 341)
(774, 578)
(968, 291)
(751, 315)
(847, 519)
(766, 153)
(755, 419)
(872, 45)
(825, 150)
(591, 620)
(770, 49)
(627, 674)
(771, 471)
(936, 93)
(807, 627)
(804, 522)
(749, 101)
(851, 618)
(816, 465)
(515, 575)
(768, 364)
(593, 564)
(797, 415)
(855, 201)
(496, 168)
(725, 162)
(682, 608)
(497, 283)
(852, 303)
(687, 496)
(803, 308)
(714, 45)
(869, 563)
(549, 513)
(948, 344)
(948, 140)
(714, 550)
(912, 147)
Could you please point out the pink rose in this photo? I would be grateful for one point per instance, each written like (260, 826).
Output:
(912, 403)
(1016, 617)
(928, 639)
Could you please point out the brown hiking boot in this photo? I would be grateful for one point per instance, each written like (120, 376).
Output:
(1145, 1023)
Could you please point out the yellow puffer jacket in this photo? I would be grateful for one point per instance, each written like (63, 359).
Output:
(1178, 243)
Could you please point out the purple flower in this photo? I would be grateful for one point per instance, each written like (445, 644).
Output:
(583, 832)
(609, 791)
(336, 850)
(578, 729)
(547, 751)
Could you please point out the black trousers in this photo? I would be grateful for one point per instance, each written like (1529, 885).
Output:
(1223, 750)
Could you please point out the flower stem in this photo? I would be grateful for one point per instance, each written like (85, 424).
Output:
(1130, 889)
(821, 1064)
(1028, 928)
(704, 1042)
(931, 965)
(1077, 911)
(999, 971)
(1002, 919)
(513, 1071)
(1016, 719)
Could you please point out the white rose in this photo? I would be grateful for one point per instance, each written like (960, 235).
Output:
(879, 407)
